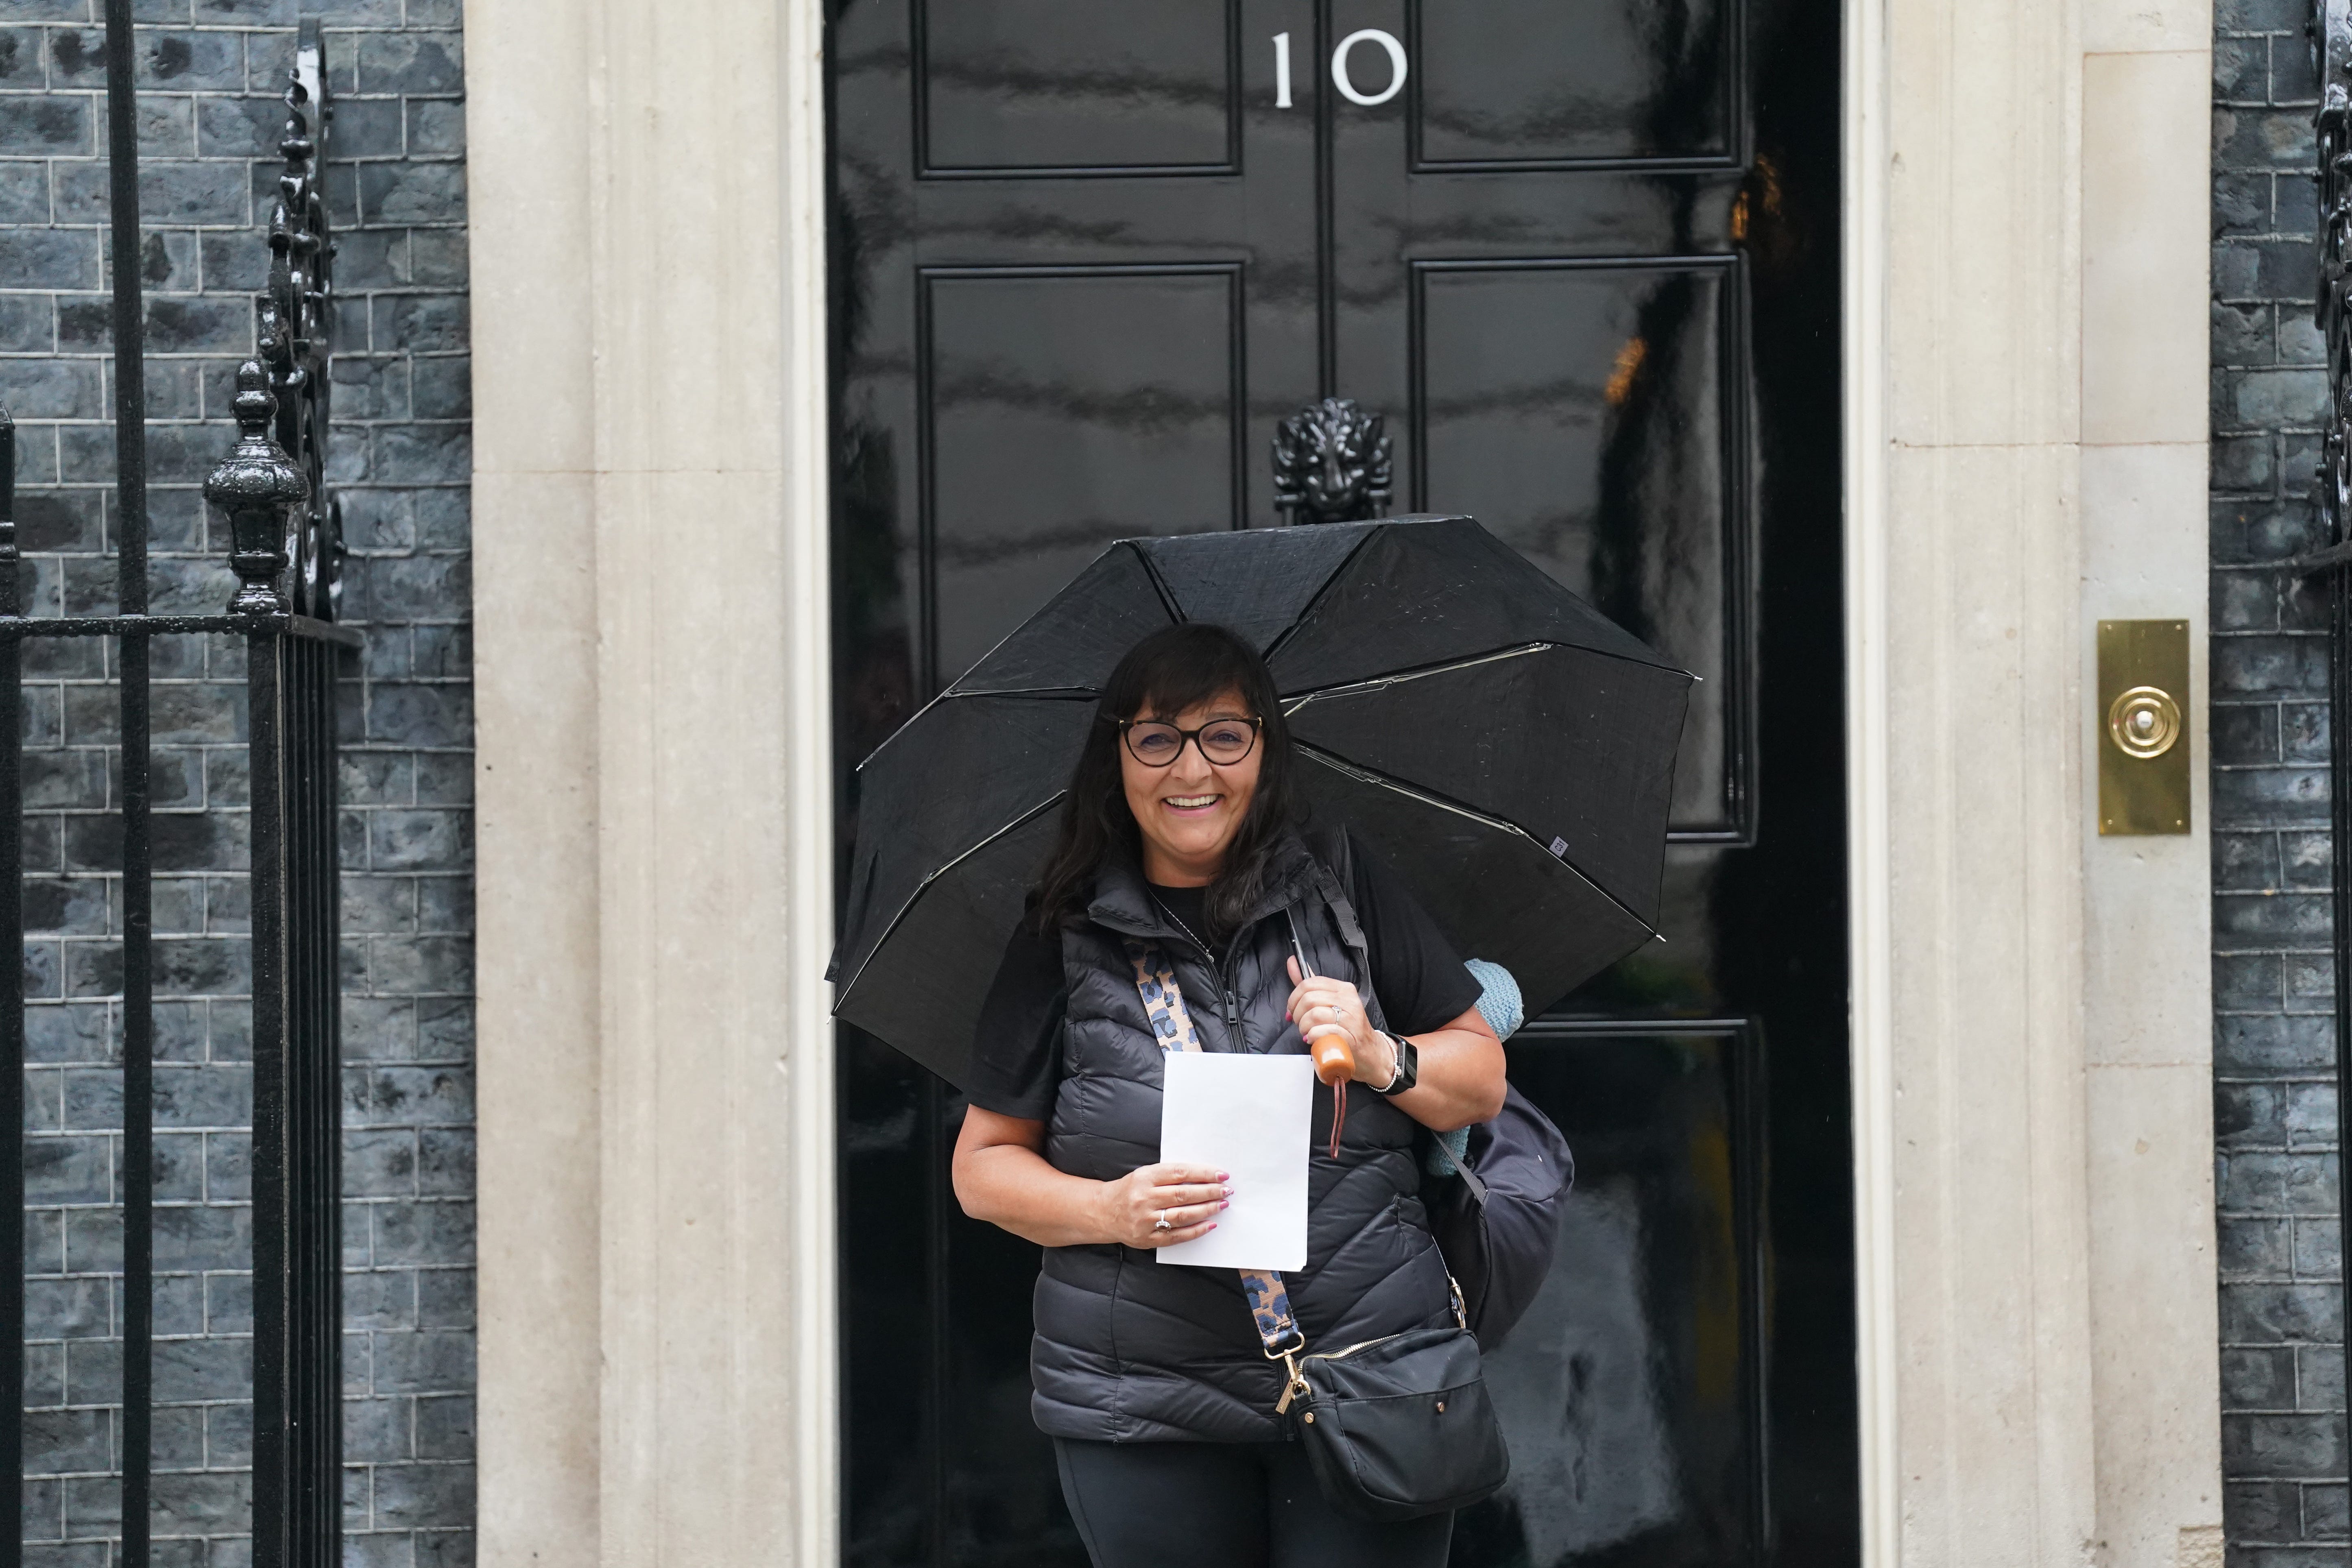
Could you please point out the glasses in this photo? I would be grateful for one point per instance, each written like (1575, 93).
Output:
(1224, 741)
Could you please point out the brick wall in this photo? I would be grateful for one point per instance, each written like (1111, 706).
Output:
(2283, 1429)
(211, 73)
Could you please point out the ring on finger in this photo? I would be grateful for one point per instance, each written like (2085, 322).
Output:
(1161, 1223)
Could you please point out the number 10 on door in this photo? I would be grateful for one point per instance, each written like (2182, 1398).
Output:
(1341, 78)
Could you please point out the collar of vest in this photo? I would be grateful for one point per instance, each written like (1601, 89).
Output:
(1123, 901)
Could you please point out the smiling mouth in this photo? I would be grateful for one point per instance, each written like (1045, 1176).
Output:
(1190, 802)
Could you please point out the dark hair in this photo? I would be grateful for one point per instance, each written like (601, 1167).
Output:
(1172, 669)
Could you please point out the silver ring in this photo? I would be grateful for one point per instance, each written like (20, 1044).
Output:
(1162, 1224)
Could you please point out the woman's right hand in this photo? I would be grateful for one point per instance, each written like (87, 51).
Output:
(1188, 1196)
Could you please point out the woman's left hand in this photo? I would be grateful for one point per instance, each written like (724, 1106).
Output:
(1321, 1005)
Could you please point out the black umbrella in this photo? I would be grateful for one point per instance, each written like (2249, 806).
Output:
(1485, 733)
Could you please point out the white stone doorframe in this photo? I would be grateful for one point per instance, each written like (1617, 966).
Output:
(2033, 1143)
(2026, 317)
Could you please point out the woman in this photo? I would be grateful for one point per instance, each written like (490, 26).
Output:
(1181, 830)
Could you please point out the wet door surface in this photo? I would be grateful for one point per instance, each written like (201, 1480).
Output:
(1582, 258)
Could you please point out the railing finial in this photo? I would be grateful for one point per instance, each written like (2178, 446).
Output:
(257, 485)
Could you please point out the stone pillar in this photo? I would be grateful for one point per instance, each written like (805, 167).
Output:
(2025, 383)
(658, 1352)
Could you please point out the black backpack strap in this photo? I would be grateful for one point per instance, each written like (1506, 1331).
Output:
(1334, 870)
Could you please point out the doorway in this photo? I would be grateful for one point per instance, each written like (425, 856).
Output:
(1584, 261)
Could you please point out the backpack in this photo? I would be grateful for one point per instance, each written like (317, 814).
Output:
(1496, 1208)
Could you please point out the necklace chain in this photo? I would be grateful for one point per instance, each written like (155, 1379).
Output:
(1206, 951)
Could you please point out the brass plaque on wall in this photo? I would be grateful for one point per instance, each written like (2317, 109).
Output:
(2143, 722)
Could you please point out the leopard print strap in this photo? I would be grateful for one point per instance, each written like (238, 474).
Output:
(1171, 1025)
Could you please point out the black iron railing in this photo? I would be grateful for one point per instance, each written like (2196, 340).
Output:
(285, 550)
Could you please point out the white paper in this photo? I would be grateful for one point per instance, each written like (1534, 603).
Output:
(1250, 1116)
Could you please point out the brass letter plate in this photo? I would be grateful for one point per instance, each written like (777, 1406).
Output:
(2143, 723)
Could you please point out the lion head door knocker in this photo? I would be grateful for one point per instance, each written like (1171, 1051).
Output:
(1330, 464)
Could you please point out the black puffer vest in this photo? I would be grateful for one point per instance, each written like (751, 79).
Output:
(1131, 1348)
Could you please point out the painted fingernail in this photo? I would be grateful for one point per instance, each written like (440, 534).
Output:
(1224, 1175)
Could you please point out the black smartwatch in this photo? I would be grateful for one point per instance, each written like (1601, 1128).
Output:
(1408, 1068)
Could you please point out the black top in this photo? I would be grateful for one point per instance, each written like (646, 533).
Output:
(1016, 1065)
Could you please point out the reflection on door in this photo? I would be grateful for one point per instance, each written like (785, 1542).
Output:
(1582, 259)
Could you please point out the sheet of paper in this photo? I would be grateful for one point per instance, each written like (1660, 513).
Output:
(1251, 1116)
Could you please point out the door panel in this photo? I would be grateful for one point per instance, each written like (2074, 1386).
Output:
(1020, 87)
(1578, 408)
(1621, 1393)
(1584, 261)
(1632, 80)
(1130, 377)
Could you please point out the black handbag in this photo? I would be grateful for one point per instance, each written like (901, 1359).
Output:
(1400, 1427)
(1395, 1427)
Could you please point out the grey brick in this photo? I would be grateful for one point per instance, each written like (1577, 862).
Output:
(411, 62)
(380, 1298)
(2256, 1248)
(2318, 1249)
(408, 1496)
(2280, 920)
(2319, 1377)
(2241, 71)
(60, 1442)
(378, 1430)
(2282, 1314)
(25, 195)
(2281, 796)
(439, 1096)
(67, 1309)
(422, 454)
(2306, 859)
(2311, 1114)
(176, 193)
(2259, 1046)
(436, 126)
(2262, 1511)
(2251, 1115)
(445, 1297)
(189, 1370)
(2259, 1378)
(423, 715)
(44, 125)
(420, 840)
(2285, 1445)
(2305, 732)
(49, 258)
(427, 1362)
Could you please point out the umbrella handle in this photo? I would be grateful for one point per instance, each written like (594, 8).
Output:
(1334, 1059)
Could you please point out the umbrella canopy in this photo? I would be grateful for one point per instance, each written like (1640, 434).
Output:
(1489, 735)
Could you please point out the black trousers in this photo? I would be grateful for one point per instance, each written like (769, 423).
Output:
(1233, 1505)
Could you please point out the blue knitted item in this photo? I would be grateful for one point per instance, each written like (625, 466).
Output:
(1500, 1003)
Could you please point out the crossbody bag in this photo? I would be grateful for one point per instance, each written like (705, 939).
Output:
(1394, 1427)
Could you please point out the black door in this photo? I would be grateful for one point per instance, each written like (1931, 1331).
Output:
(1582, 258)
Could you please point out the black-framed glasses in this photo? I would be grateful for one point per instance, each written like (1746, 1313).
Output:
(1156, 744)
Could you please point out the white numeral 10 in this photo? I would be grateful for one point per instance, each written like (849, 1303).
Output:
(1339, 76)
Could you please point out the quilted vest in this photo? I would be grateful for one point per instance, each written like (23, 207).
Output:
(1131, 1348)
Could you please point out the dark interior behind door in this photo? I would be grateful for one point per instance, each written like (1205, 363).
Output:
(1584, 263)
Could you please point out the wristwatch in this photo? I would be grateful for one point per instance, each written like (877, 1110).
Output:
(1408, 1066)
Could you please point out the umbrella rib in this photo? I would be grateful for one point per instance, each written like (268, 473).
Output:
(1414, 672)
(1382, 682)
(1330, 579)
(842, 990)
(1428, 797)
(1159, 585)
